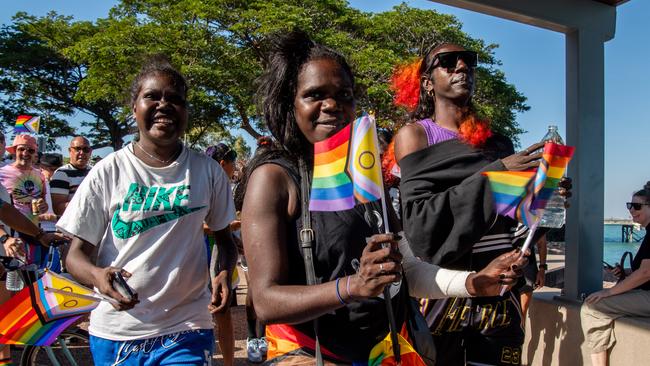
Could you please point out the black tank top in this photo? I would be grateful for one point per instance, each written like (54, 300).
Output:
(351, 331)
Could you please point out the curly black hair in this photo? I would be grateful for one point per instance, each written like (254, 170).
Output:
(157, 65)
(277, 85)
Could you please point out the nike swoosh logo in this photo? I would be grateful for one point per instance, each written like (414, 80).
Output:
(128, 229)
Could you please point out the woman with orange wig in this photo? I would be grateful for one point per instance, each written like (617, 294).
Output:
(448, 212)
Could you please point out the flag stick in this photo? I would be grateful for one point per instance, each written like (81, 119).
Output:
(392, 323)
(524, 248)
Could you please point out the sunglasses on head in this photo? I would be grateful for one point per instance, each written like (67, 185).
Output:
(85, 149)
(449, 60)
(636, 205)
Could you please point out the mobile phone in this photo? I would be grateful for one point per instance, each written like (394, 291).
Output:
(120, 285)
(607, 265)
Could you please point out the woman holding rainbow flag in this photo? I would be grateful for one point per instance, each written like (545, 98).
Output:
(306, 97)
(448, 211)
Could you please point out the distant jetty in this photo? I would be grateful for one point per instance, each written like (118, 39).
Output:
(627, 228)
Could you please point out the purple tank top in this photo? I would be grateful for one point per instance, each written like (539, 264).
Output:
(435, 133)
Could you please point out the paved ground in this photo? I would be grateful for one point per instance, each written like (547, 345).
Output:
(239, 325)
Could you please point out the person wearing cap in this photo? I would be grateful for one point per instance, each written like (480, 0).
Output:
(24, 184)
(49, 163)
(67, 178)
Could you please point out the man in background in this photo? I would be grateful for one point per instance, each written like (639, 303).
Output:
(67, 178)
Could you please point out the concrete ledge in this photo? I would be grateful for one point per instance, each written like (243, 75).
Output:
(557, 338)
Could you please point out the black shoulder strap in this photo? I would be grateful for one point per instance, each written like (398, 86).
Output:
(307, 244)
(306, 234)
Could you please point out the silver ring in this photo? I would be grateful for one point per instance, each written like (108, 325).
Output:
(381, 267)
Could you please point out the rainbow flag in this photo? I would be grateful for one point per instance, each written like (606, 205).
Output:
(523, 195)
(347, 168)
(27, 124)
(382, 353)
(41, 311)
(57, 297)
(554, 163)
(364, 163)
(285, 339)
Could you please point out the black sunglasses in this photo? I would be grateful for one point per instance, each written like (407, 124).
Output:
(85, 149)
(636, 205)
(449, 60)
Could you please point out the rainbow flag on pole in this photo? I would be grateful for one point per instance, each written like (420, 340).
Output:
(41, 311)
(27, 124)
(347, 168)
(523, 195)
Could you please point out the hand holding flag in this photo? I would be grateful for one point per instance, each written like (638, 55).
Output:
(347, 171)
(523, 195)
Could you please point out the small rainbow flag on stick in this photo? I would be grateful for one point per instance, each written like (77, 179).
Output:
(27, 124)
(523, 195)
(347, 168)
(41, 311)
(347, 171)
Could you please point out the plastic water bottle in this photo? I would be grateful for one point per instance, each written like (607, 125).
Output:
(14, 282)
(554, 214)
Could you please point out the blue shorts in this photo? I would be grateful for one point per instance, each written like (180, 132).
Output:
(191, 347)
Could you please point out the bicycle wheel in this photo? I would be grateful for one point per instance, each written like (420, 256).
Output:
(75, 341)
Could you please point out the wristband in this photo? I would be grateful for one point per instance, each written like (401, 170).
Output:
(338, 294)
(347, 289)
(543, 266)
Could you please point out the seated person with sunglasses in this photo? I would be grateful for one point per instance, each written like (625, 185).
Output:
(629, 297)
(67, 178)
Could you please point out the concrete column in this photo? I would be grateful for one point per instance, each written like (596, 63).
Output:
(585, 126)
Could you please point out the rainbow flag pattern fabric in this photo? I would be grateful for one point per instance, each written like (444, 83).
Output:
(523, 195)
(347, 168)
(41, 311)
(57, 297)
(283, 340)
(382, 353)
(508, 190)
(27, 124)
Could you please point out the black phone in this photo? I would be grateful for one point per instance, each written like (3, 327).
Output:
(120, 285)
(607, 265)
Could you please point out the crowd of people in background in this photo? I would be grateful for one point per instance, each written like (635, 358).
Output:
(183, 226)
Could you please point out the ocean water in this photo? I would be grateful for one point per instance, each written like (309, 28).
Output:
(613, 248)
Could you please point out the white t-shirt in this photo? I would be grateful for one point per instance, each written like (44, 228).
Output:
(149, 221)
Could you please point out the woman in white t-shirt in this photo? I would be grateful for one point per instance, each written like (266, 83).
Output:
(144, 207)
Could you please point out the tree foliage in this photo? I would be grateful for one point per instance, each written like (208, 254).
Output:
(57, 66)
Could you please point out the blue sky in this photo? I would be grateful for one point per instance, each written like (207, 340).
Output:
(533, 60)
